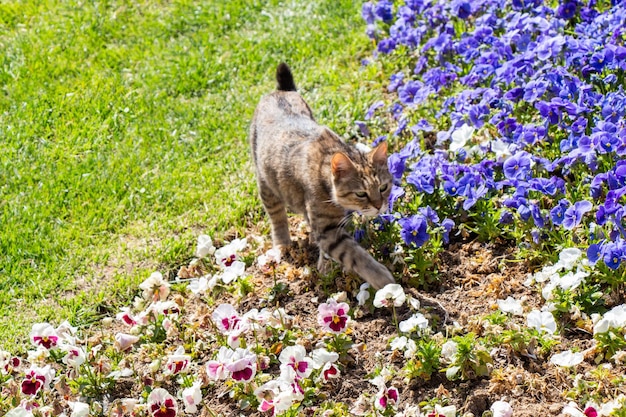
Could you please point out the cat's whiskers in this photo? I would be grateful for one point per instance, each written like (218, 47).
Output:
(343, 222)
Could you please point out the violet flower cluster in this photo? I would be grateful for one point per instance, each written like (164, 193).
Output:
(527, 105)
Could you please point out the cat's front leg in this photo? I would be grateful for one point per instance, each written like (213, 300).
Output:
(344, 249)
(323, 263)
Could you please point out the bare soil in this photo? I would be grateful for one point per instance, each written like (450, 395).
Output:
(472, 276)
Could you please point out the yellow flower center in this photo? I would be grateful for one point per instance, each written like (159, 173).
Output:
(336, 319)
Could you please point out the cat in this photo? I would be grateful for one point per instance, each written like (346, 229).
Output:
(307, 168)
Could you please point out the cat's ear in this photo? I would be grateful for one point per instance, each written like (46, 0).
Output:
(341, 165)
(379, 154)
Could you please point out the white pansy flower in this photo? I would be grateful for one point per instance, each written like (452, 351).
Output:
(567, 358)
(500, 148)
(124, 341)
(511, 305)
(416, 321)
(205, 246)
(501, 409)
(572, 280)
(19, 412)
(200, 285)
(542, 321)
(79, 409)
(398, 343)
(449, 351)
(572, 409)
(568, 258)
(612, 319)
(390, 295)
(460, 137)
(271, 258)
(447, 411)
(363, 294)
(546, 291)
(602, 326)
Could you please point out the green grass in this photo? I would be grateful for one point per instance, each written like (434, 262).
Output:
(123, 135)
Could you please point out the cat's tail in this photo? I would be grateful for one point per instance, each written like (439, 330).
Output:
(284, 78)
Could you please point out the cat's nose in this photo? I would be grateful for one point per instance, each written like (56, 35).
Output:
(378, 204)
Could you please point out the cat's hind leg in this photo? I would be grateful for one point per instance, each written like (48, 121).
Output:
(276, 210)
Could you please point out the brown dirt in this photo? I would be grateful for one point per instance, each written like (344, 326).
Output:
(472, 277)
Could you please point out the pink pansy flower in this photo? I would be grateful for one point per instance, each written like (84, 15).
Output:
(44, 335)
(329, 371)
(178, 362)
(29, 404)
(167, 324)
(573, 410)
(155, 288)
(289, 378)
(266, 394)
(226, 255)
(277, 395)
(325, 360)
(234, 271)
(192, 396)
(74, 357)
(161, 403)
(37, 378)
(228, 320)
(216, 368)
(139, 319)
(167, 308)
(126, 317)
(295, 357)
(125, 341)
(8, 362)
(386, 397)
(269, 260)
(242, 367)
(333, 316)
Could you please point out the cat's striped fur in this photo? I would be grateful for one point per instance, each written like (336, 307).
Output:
(307, 168)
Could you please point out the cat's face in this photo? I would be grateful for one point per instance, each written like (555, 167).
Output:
(362, 185)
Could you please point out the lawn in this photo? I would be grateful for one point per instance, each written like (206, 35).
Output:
(124, 146)
(123, 135)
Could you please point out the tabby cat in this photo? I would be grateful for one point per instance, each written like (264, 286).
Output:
(307, 168)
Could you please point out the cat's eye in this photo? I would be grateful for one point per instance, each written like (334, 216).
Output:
(361, 194)
(383, 188)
